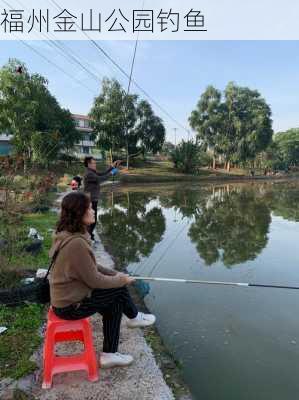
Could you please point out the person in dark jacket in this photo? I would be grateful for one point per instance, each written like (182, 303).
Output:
(91, 181)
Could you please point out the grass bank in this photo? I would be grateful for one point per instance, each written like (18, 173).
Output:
(20, 340)
(163, 172)
(152, 172)
(17, 258)
(22, 337)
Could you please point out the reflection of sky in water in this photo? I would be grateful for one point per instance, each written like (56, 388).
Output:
(233, 343)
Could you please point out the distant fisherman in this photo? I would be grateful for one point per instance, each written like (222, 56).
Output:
(92, 180)
(76, 182)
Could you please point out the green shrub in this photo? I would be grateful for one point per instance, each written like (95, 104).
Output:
(185, 157)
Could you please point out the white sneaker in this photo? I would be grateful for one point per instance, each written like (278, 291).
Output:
(141, 320)
(109, 360)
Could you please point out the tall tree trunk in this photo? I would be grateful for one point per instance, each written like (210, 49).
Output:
(214, 162)
(25, 162)
(228, 166)
(111, 156)
(112, 201)
(128, 202)
(128, 157)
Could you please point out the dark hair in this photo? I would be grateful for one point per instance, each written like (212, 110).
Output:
(87, 160)
(78, 179)
(73, 208)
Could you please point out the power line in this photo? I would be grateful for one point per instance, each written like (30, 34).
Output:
(50, 61)
(127, 75)
(64, 50)
(55, 65)
(138, 86)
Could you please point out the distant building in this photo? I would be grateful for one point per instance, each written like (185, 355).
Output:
(86, 146)
(5, 145)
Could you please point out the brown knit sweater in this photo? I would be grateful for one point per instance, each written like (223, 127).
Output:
(75, 272)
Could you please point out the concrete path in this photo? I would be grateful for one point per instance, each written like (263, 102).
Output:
(142, 380)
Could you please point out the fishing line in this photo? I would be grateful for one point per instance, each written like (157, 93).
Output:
(195, 281)
(141, 266)
(168, 247)
(127, 94)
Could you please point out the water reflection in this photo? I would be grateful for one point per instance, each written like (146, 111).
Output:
(231, 227)
(130, 227)
(187, 202)
(212, 327)
(228, 223)
(285, 201)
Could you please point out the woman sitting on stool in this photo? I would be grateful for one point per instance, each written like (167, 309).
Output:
(80, 288)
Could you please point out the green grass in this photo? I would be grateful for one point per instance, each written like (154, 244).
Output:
(159, 172)
(43, 222)
(21, 339)
(163, 172)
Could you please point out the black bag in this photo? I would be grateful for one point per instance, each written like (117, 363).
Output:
(42, 286)
(35, 292)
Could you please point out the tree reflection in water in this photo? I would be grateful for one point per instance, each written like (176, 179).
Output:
(232, 227)
(130, 227)
(228, 223)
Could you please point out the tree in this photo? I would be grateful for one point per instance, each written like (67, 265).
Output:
(55, 129)
(120, 122)
(149, 128)
(237, 127)
(248, 124)
(39, 126)
(167, 148)
(18, 106)
(59, 136)
(186, 156)
(207, 119)
(271, 158)
(113, 116)
(288, 146)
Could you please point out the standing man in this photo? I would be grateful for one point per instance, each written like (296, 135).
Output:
(92, 180)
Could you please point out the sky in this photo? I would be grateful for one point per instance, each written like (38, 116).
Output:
(173, 73)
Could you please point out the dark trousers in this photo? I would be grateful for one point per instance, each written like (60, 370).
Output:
(111, 304)
(94, 205)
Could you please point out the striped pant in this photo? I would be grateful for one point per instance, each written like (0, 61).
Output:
(111, 304)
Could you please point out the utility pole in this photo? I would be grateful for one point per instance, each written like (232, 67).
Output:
(175, 129)
(127, 94)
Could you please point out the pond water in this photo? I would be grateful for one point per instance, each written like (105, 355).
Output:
(232, 343)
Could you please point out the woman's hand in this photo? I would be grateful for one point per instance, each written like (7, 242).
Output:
(116, 163)
(127, 279)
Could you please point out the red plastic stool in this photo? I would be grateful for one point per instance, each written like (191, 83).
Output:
(60, 330)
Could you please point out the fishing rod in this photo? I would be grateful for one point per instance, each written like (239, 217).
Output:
(239, 284)
(130, 156)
